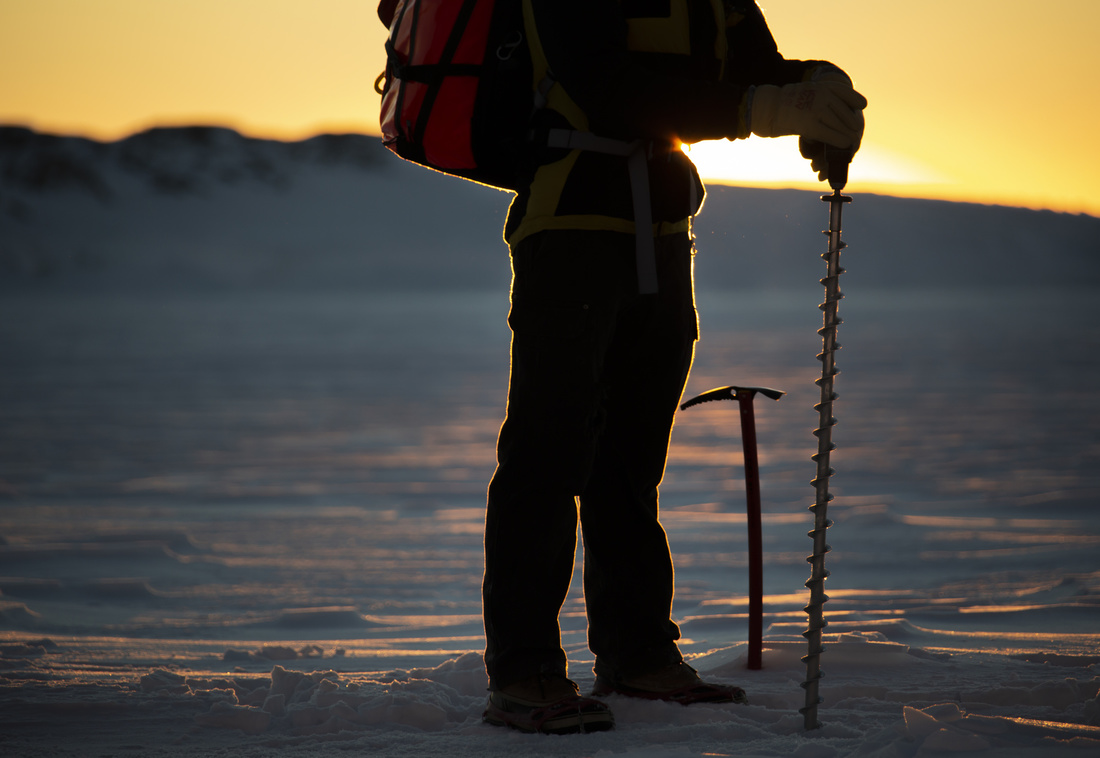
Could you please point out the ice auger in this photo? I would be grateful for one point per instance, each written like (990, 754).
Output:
(837, 161)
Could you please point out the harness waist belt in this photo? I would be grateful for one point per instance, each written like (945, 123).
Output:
(638, 170)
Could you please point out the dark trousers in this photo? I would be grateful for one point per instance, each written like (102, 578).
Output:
(597, 373)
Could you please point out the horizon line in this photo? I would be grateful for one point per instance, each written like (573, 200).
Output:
(900, 190)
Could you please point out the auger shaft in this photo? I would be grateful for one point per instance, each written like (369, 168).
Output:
(829, 345)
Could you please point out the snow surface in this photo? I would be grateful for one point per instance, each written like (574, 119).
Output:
(248, 401)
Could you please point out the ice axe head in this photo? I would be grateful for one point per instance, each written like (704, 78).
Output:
(732, 393)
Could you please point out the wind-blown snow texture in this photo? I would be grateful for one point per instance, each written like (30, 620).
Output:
(248, 399)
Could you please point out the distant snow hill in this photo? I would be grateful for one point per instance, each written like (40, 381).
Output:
(203, 207)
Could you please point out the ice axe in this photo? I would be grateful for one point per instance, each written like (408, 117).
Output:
(836, 160)
(744, 397)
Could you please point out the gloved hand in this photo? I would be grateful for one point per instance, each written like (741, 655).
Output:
(817, 153)
(829, 73)
(825, 111)
(814, 151)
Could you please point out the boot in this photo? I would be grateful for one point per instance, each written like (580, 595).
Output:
(547, 704)
(677, 682)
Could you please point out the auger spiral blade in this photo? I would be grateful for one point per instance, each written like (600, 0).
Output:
(826, 422)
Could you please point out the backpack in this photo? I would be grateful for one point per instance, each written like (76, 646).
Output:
(457, 91)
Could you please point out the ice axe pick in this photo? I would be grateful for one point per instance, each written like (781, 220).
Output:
(744, 397)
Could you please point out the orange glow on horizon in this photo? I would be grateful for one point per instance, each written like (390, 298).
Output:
(985, 101)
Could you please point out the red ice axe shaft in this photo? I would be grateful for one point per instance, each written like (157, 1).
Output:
(744, 397)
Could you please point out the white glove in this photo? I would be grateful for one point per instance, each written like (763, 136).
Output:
(825, 111)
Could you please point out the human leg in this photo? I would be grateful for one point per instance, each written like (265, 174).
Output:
(628, 569)
(628, 566)
(560, 327)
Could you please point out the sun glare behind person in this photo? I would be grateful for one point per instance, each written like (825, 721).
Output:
(776, 162)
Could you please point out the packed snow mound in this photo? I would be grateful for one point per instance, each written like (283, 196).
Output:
(290, 706)
(313, 703)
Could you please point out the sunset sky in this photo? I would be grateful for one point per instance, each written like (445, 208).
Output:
(992, 101)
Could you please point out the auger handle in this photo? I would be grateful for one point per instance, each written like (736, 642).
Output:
(837, 160)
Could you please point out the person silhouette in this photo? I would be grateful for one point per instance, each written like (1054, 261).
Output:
(603, 331)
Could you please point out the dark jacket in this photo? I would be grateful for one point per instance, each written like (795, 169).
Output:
(663, 71)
